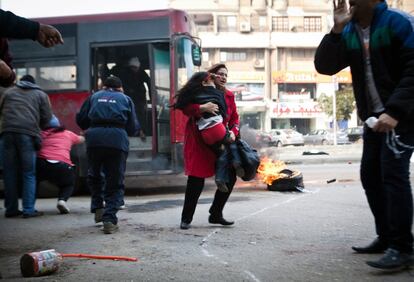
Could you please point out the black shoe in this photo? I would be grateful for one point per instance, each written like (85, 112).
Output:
(393, 259)
(376, 247)
(34, 214)
(13, 214)
(185, 225)
(219, 220)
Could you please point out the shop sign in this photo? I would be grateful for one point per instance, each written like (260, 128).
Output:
(244, 76)
(309, 77)
(296, 110)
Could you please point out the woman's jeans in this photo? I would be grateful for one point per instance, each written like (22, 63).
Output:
(386, 182)
(19, 161)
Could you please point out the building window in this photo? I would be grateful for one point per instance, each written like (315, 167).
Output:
(259, 23)
(312, 24)
(204, 22)
(206, 56)
(280, 24)
(300, 54)
(233, 56)
(227, 23)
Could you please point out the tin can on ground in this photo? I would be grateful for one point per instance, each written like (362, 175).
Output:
(40, 263)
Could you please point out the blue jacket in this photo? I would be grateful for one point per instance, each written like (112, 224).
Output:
(110, 118)
(392, 60)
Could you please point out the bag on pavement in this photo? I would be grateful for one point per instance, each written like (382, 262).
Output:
(249, 158)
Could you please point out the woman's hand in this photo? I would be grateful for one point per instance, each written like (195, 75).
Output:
(209, 108)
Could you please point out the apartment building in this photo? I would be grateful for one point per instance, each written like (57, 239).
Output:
(269, 46)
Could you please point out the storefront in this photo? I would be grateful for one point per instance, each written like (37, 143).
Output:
(295, 97)
(249, 89)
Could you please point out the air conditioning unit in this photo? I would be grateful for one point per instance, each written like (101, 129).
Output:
(259, 63)
(245, 27)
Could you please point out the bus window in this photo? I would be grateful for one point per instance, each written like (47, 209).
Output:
(185, 64)
(50, 75)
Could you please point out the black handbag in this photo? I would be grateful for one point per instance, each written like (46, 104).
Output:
(250, 160)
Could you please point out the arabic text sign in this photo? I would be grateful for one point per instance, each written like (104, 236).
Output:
(296, 110)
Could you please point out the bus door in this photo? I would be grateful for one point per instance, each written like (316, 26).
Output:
(143, 68)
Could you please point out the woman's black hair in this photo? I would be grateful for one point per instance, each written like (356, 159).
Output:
(186, 94)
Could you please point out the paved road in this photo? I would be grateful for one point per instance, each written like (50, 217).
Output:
(277, 236)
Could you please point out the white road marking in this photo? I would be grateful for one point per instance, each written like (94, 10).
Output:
(204, 241)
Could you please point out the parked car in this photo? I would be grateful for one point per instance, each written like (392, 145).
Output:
(284, 137)
(355, 133)
(255, 138)
(263, 138)
(326, 137)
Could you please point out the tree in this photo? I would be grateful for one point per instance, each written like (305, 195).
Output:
(345, 103)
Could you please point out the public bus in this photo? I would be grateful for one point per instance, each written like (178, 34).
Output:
(168, 51)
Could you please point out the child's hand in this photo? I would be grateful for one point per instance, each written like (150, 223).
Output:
(232, 137)
(209, 108)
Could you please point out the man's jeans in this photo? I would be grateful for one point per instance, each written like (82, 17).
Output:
(386, 181)
(106, 180)
(19, 162)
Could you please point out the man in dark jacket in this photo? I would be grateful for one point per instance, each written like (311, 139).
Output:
(109, 116)
(378, 45)
(12, 26)
(24, 109)
(133, 78)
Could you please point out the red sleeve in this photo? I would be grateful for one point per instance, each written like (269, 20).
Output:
(234, 122)
(192, 110)
(76, 139)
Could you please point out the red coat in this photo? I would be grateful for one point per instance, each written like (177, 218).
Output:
(199, 159)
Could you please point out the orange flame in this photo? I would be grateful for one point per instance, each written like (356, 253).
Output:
(269, 170)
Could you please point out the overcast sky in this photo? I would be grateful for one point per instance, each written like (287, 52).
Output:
(53, 8)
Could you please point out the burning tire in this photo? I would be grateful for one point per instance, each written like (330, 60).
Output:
(293, 182)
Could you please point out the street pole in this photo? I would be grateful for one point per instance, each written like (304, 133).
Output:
(334, 108)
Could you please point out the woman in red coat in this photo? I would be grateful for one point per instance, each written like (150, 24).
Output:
(200, 159)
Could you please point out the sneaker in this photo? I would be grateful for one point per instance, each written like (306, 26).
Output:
(109, 228)
(34, 214)
(123, 207)
(221, 186)
(62, 207)
(98, 215)
(393, 259)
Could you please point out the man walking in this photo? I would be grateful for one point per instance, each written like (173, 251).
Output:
(25, 108)
(378, 44)
(109, 115)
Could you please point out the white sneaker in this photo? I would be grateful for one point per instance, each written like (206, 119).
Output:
(62, 207)
(123, 207)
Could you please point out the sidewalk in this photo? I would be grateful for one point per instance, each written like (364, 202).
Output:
(314, 154)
